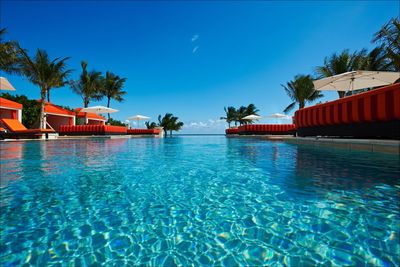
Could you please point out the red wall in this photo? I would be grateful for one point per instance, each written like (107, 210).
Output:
(8, 114)
(57, 121)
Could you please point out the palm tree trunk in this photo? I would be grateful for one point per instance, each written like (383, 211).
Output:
(229, 125)
(108, 105)
(85, 104)
(42, 125)
(170, 133)
(165, 132)
(48, 95)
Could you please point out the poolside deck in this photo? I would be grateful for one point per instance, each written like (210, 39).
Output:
(370, 145)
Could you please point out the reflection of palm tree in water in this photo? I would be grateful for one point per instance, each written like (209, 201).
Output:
(275, 153)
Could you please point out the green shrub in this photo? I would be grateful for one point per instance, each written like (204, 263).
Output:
(111, 121)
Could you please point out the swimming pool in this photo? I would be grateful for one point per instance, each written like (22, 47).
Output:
(196, 201)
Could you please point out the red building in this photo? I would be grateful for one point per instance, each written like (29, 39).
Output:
(55, 116)
(10, 110)
(91, 118)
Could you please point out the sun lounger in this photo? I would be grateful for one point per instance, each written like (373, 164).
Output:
(232, 131)
(267, 129)
(143, 131)
(15, 129)
(91, 130)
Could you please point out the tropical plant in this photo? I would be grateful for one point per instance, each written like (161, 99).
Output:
(251, 109)
(10, 55)
(389, 38)
(237, 115)
(150, 125)
(89, 85)
(31, 110)
(240, 113)
(45, 73)
(375, 60)
(300, 90)
(114, 122)
(341, 63)
(112, 88)
(230, 115)
(170, 123)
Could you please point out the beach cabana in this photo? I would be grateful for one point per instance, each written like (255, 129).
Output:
(10, 109)
(372, 114)
(55, 116)
(91, 118)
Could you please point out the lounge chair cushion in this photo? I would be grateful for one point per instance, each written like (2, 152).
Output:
(17, 127)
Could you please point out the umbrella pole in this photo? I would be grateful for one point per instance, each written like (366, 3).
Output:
(352, 85)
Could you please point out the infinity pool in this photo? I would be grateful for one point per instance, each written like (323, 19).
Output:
(196, 201)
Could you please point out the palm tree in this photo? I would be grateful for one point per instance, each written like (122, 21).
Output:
(10, 55)
(341, 63)
(45, 73)
(112, 88)
(389, 38)
(175, 126)
(240, 113)
(244, 111)
(230, 115)
(300, 90)
(89, 85)
(151, 125)
(251, 109)
(169, 123)
(376, 60)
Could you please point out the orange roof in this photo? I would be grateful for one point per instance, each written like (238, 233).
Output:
(57, 110)
(89, 115)
(9, 104)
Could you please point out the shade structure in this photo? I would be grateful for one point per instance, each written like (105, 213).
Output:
(279, 116)
(355, 80)
(138, 118)
(99, 110)
(252, 117)
(6, 85)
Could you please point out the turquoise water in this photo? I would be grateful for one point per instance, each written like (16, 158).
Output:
(196, 201)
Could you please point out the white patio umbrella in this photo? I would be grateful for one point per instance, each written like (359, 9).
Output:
(99, 110)
(252, 117)
(138, 118)
(279, 116)
(5, 84)
(354, 80)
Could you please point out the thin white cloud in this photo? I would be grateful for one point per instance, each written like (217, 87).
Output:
(194, 38)
(195, 49)
(210, 123)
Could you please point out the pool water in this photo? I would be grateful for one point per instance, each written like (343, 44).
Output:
(196, 201)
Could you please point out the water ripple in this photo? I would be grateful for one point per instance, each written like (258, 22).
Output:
(196, 201)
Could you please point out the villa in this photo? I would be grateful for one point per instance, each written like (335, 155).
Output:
(10, 110)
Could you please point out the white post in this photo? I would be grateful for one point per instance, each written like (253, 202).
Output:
(161, 134)
(19, 115)
(44, 121)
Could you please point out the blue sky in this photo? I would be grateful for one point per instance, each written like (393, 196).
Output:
(193, 58)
